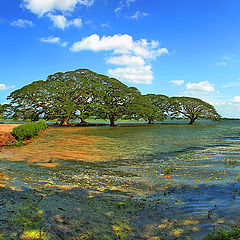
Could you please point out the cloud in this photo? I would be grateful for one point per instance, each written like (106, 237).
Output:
(40, 7)
(235, 99)
(139, 14)
(127, 60)
(118, 9)
(128, 2)
(177, 82)
(22, 23)
(4, 87)
(61, 21)
(226, 57)
(134, 70)
(221, 64)
(140, 74)
(105, 25)
(201, 87)
(125, 5)
(232, 85)
(120, 44)
(55, 40)
(132, 55)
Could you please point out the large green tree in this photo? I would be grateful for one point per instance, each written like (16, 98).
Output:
(63, 95)
(29, 102)
(71, 95)
(192, 108)
(156, 107)
(115, 100)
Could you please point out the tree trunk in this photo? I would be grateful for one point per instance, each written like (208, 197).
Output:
(192, 120)
(112, 121)
(150, 121)
(64, 121)
(83, 120)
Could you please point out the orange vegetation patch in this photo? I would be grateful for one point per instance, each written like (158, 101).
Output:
(3, 178)
(6, 138)
(5, 135)
(6, 128)
(60, 144)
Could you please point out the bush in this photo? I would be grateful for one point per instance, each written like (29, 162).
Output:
(29, 130)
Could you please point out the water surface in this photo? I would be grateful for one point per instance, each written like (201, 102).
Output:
(180, 180)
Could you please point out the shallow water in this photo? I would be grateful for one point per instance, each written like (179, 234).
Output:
(187, 176)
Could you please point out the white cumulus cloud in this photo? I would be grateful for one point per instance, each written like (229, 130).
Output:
(40, 7)
(4, 87)
(236, 99)
(200, 87)
(23, 23)
(131, 55)
(55, 40)
(177, 82)
(127, 60)
(134, 70)
(60, 21)
(120, 44)
(141, 74)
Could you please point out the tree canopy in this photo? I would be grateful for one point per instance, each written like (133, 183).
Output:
(192, 108)
(82, 93)
(115, 100)
(157, 109)
(71, 95)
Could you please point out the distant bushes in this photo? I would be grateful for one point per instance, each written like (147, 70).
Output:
(29, 130)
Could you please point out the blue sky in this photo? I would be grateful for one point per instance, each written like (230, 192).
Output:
(172, 47)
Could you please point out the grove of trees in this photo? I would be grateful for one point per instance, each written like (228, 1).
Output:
(82, 93)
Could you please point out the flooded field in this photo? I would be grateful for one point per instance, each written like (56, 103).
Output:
(165, 181)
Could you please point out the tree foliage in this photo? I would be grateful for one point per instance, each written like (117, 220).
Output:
(63, 95)
(3, 108)
(82, 93)
(192, 108)
(71, 95)
(156, 107)
(115, 100)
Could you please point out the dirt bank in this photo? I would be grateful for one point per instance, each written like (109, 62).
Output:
(5, 135)
(6, 128)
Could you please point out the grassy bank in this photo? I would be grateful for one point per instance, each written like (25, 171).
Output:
(28, 130)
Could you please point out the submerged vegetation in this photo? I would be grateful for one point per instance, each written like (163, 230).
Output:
(160, 182)
(224, 234)
(82, 93)
(28, 130)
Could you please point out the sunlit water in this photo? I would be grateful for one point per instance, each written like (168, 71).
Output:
(188, 175)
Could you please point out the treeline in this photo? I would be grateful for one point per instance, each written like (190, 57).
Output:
(82, 93)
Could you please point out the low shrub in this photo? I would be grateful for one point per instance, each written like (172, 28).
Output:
(28, 130)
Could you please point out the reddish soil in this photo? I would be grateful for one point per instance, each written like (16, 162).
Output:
(5, 135)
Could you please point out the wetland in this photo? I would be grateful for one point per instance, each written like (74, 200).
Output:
(133, 181)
